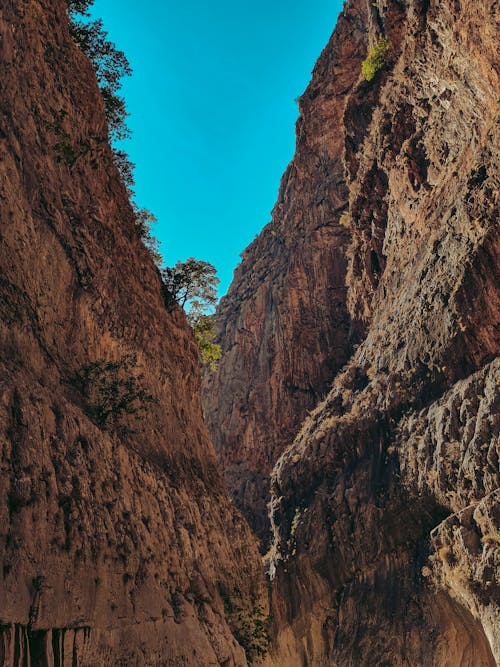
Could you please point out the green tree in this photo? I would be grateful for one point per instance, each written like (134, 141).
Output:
(193, 286)
(204, 331)
(193, 282)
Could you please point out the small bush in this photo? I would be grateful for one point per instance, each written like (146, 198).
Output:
(249, 626)
(112, 390)
(204, 331)
(69, 151)
(144, 220)
(378, 57)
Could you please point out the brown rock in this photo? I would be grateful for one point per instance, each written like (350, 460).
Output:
(396, 471)
(118, 542)
(284, 326)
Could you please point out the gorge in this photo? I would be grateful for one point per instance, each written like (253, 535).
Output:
(351, 430)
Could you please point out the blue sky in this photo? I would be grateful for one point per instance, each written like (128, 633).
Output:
(212, 112)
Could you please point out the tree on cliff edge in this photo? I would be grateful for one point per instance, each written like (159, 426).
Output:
(193, 283)
(110, 64)
(193, 286)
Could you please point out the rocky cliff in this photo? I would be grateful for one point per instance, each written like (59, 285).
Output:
(285, 328)
(378, 277)
(118, 542)
(358, 389)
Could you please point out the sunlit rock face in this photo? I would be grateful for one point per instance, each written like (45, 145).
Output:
(377, 278)
(118, 545)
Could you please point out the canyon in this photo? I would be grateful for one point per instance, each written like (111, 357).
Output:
(357, 395)
(351, 430)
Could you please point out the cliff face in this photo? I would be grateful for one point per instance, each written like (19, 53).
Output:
(284, 326)
(385, 512)
(359, 360)
(118, 543)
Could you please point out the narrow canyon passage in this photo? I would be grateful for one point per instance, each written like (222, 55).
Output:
(329, 494)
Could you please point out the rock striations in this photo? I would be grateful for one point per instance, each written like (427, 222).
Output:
(357, 393)
(377, 278)
(285, 326)
(118, 542)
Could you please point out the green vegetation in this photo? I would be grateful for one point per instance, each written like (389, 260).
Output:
(144, 220)
(79, 6)
(204, 331)
(192, 282)
(193, 285)
(249, 625)
(69, 151)
(126, 169)
(378, 57)
(110, 66)
(113, 389)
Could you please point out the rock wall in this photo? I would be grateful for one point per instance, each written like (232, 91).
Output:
(384, 510)
(360, 373)
(284, 327)
(118, 543)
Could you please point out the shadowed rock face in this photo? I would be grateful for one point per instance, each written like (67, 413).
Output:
(118, 545)
(284, 326)
(384, 509)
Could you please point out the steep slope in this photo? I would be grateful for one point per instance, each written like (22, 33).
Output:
(284, 326)
(385, 509)
(118, 542)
